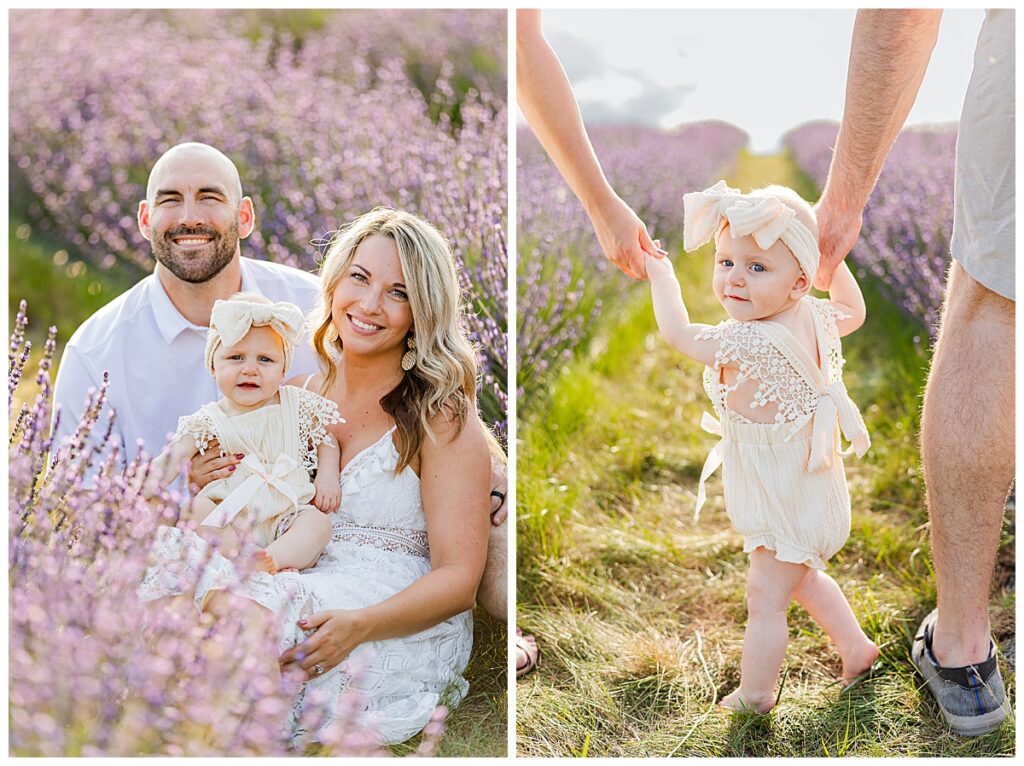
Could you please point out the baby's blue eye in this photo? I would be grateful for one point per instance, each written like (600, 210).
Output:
(726, 262)
(758, 268)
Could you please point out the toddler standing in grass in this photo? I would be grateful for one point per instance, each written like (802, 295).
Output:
(774, 375)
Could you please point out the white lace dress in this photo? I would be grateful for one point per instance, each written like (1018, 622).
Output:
(379, 547)
(784, 481)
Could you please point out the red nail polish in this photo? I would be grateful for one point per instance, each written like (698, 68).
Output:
(232, 467)
(240, 455)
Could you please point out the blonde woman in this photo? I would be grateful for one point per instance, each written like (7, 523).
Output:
(393, 591)
(386, 611)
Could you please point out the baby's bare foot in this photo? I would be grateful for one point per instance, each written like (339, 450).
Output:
(739, 700)
(858, 660)
(264, 562)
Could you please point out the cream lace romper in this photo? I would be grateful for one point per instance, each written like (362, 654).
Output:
(279, 442)
(784, 482)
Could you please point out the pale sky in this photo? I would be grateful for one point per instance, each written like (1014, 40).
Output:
(763, 71)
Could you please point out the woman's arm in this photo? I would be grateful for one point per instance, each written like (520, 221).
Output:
(546, 98)
(672, 316)
(844, 293)
(454, 483)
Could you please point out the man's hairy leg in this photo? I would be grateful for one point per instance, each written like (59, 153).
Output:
(492, 594)
(967, 449)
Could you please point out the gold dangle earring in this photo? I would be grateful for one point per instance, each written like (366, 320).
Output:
(409, 357)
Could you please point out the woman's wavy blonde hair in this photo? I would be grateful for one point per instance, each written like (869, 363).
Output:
(444, 378)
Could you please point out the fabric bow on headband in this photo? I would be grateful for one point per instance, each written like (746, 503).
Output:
(766, 219)
(230, 321)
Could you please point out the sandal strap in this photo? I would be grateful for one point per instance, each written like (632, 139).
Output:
(964, 676)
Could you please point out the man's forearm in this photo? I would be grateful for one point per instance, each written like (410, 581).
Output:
(888, 58)
(546, 98)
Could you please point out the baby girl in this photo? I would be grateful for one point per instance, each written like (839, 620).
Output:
(774, 375)
(282, 431)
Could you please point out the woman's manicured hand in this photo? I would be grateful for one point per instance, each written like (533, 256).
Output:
(212, 466)
(337, 633)
(624, 238)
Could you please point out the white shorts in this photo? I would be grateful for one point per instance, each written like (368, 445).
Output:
(984, 200)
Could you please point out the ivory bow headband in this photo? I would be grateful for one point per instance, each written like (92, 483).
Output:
(230, 320)
(767, 219)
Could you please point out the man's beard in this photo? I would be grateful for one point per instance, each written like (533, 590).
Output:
(199, 265)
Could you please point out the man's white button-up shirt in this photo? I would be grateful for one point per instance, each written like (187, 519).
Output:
(154, 357)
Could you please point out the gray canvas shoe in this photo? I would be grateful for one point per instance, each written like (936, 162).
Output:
(972, 699)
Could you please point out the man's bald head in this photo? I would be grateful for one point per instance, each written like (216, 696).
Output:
(221, 167)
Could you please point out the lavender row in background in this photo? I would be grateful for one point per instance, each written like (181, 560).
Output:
(326, 127)
(908, 221)
(563, 278)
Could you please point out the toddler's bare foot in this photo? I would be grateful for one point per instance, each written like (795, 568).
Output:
(264, 562)
(742, 701)
(857, 660)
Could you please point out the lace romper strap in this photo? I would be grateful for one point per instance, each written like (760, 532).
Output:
(305, 383)
(834, 402)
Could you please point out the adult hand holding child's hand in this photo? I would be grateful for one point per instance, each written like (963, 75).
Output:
(623, 237)
(838, 232)
(210, 466)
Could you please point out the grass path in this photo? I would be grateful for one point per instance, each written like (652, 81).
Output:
(639, 612)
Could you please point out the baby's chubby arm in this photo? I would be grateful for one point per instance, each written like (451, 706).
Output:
(328, 477)
(844, 293)
(673, 318)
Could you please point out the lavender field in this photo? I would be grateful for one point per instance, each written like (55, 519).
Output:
(364, 111)
(327, 114)
(908, 221)
(563, 279)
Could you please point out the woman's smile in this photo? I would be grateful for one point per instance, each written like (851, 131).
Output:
(364, 327)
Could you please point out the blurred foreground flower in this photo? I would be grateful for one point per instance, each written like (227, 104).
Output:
(95, 672)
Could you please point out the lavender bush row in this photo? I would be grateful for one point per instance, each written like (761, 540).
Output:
(92, 670)
(321, 134)
(563, 277)
(908, 221)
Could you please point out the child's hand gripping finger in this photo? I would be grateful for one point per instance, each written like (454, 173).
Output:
(659, 267)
